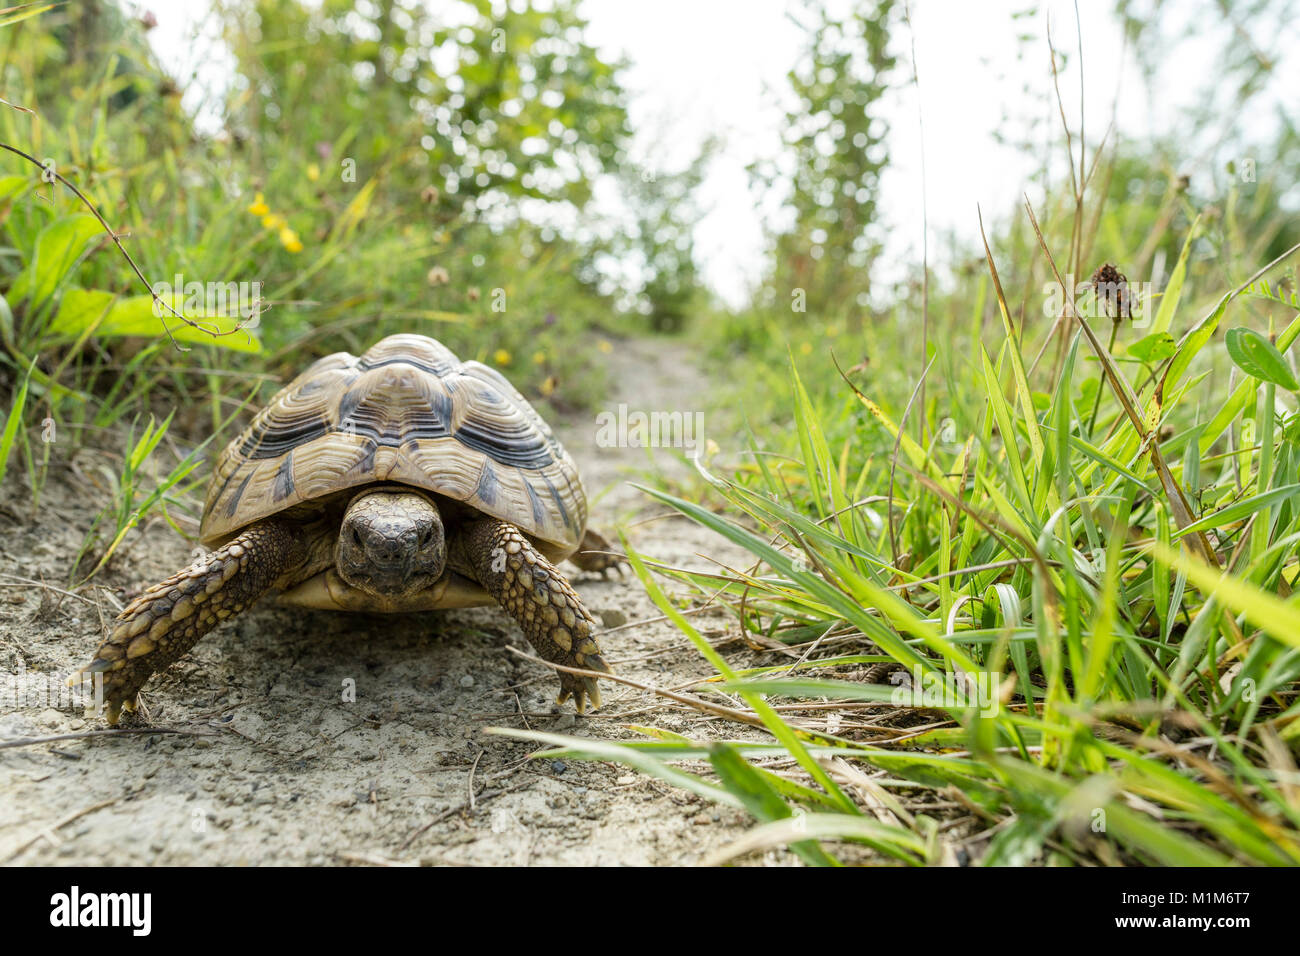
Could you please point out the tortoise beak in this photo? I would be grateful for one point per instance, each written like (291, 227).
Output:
(378, 561)
(390, 543)
(391, 578)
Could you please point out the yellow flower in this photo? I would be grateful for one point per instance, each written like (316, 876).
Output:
(289, 239)
(548, 386)
(805, 349)
(604, 346)
(259, 207)
(273, 222)
(539, 358)
(501, 356)
(313, 172)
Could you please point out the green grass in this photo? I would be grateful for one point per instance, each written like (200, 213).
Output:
(130, 503)
(1111, 530)
(1051, 560)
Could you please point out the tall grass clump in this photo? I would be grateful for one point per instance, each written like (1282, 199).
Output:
(1097, 620)
(1028, 594)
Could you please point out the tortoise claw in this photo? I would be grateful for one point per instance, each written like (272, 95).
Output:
(593, 690)
(582, 688)
(113, 710)
(545, 605)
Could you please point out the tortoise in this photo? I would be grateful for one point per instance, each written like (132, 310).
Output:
(404, 480)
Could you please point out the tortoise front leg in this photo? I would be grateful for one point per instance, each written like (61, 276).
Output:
(168, 619)
(537, 596)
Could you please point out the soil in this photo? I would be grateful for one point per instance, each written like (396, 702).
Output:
(272, 766)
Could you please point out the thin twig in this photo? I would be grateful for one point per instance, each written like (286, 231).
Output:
(48, 832)
(117, 240)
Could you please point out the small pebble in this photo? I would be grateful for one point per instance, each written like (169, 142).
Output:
(467, 680)
(559, 766)
(613, 617)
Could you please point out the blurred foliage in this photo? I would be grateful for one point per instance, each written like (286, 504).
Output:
(665, 211)
(835, 152)
(369, 167)
(490, 108)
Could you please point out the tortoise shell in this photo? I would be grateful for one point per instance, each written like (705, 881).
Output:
(406, 412)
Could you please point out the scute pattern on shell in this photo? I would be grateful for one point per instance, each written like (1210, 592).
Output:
(407, 411)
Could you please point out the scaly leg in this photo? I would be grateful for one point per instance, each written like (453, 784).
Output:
(536, 595)
(168, 619)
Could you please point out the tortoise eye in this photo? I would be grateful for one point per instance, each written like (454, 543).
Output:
(356, 537)
(426, 537)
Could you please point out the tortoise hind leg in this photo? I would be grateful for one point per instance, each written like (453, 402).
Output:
(595, 554)
(168, 619)
(537, 596)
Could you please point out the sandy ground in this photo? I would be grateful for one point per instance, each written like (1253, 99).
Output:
(274, 767)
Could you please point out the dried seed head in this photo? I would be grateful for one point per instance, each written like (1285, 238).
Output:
(1110, 286)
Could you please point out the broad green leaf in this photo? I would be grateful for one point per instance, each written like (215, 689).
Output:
(135, 315)
(1154, 348)
(11, 186)
(1259, 358)
(1242, 395)
(58, 247)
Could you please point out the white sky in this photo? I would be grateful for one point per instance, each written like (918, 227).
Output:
(718, 66)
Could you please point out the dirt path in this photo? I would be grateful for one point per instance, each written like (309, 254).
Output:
(277, 769)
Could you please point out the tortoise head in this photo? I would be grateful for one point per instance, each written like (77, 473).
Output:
(391, 542)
